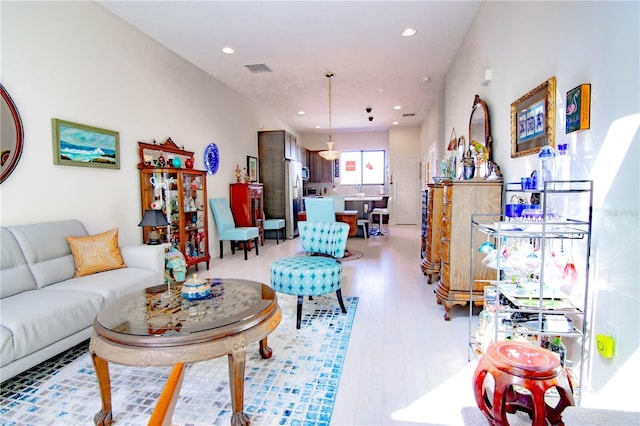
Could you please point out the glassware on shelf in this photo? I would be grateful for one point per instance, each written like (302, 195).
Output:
(486, 246)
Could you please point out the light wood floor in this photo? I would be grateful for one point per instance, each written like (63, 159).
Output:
(405, 364)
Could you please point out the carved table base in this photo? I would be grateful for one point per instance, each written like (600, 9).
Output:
(226, 341)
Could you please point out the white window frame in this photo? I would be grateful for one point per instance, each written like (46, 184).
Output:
(354, 170)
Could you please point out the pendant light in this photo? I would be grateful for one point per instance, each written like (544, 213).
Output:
(330, 154)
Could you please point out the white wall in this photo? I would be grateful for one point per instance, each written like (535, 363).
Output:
(525, 43)
(78, 62)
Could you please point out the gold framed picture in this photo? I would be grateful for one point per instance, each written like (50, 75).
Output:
(533, 119)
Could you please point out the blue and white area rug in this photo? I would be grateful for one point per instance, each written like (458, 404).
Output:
(296, 386)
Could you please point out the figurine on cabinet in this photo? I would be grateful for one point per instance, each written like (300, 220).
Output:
(468, 164)
(160, 162)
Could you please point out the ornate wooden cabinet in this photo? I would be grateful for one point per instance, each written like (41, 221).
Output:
(432, 224)
(181, 194)
(247, 206)
(460, 200)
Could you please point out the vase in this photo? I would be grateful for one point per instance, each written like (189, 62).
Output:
(468, 172)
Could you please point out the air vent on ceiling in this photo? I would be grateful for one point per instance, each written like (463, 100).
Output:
(258, 68)
(408, 115)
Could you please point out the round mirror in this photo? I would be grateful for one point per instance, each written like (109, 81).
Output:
(11, 138)
(479, 125)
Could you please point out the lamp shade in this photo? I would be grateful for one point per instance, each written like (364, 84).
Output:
(153, 218)
(330, 154)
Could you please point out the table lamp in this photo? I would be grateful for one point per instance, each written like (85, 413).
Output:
(153, 218)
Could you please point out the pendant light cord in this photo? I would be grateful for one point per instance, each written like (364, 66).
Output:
(329, 74)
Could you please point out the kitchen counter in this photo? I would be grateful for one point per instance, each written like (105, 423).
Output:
(365, 198)
(350, 217)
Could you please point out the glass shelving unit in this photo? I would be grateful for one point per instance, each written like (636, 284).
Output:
(541, 259)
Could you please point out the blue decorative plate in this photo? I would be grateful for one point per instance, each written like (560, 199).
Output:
(211, 158)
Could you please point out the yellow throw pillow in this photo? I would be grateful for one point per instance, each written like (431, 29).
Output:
(96, 253)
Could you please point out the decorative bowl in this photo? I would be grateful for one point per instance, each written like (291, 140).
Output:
(440, 179)
(196, 288)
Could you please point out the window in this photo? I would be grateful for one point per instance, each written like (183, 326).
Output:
(362, 167)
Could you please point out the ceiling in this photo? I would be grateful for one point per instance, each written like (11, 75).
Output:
(299, 41)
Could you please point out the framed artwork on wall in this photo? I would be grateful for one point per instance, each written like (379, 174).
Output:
(578, 108)
(533, 118)
(252, 168)
(86, 146)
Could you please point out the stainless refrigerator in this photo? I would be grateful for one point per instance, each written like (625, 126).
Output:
(281, 179)
(293, 199)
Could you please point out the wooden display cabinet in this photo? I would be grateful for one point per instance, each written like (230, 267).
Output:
(247, 206)
(181, 194)
(432, 225)
(460, 200)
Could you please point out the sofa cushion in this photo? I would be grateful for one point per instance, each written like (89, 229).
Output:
(96, 253)
(15, 275)
(35, 319)
(7, 353)
(46, 249)
(110, 284)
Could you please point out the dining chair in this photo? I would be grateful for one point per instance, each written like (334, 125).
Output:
(339, 204)
(227, 229)
(320, 210)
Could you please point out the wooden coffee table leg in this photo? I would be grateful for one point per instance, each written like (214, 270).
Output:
(163, 412)
(237, 361)
(265, 350)
(103, 417)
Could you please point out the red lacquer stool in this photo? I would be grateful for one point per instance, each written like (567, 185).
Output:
(522, 374)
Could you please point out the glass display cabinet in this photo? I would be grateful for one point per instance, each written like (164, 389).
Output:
(181, 194)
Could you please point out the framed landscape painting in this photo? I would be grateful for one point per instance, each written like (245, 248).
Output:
(86, 146)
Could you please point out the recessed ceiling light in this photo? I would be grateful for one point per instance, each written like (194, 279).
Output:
(408, 32)
(228, 50)
(426, 79)
(395, 123)
(301, 112)
(317, 127)
(397, 107)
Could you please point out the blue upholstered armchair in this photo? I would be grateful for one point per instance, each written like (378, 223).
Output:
(227, 230)
(320, 272)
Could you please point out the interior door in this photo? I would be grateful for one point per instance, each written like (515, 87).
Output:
(406, 184)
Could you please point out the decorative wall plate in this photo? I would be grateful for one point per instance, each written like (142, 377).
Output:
(211, 158)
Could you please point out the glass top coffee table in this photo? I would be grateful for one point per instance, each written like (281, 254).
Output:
(157, 326)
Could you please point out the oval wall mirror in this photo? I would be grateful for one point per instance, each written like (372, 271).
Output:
(479, 125)
(11, 139)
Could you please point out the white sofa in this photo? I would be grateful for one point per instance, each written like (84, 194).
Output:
(44, 309)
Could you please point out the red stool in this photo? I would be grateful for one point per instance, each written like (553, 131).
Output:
(522, 374)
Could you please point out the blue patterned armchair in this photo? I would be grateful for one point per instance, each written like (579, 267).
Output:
(320, 272)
